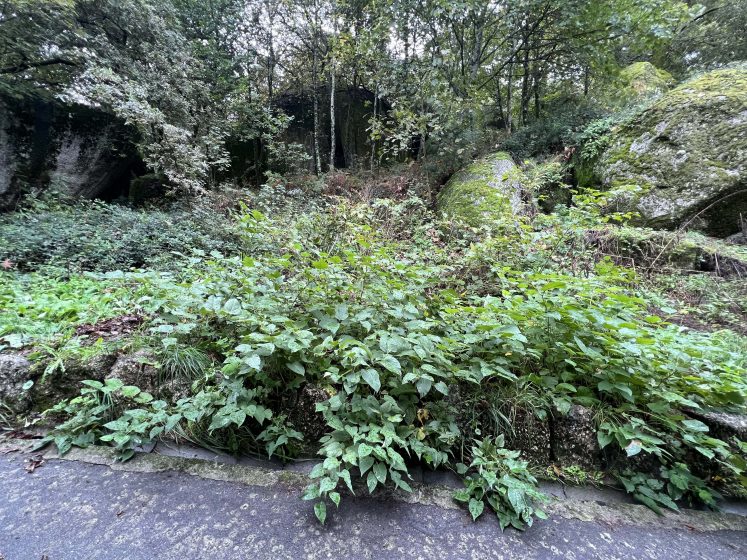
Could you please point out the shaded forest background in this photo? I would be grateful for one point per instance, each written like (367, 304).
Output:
(196, 95)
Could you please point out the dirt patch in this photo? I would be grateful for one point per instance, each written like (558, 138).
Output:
(111, 329)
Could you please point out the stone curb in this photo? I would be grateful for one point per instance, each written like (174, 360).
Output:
(429, 495)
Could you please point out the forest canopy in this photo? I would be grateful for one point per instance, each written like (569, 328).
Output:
(197, 78)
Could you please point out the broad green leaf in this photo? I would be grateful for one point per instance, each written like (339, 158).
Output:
(320, 510)
(371, 376)
(476, 508)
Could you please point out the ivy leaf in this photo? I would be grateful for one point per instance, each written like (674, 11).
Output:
(633, 448)
(130, 391)
(379, 470)
(695, 425)
(297, 367)
(604, 439)
(371, 376)
(441, 387)
(335, 497)
(372, 481)
(424, 385)
(365, 463)
(254, 362)
(326, 484)
(341, 312)
(391, 363)
(232, 306)
(329, 324)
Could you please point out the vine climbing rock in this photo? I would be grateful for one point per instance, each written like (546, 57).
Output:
(683, 160)
(490, 188)
(15, 371)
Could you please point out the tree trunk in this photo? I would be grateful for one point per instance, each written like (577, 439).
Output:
(314, 79)
(373, 140)
(537, 98)
(586, 80)
(499, 104)
(509, 97)
(525, 80)
(332, 139)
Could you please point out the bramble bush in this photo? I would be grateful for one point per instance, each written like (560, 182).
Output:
(394, 323)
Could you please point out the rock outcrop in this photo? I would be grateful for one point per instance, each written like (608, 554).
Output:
(490, 188)
(684, 158)
(15, 371)
(75, 150)
(61, 384)
(574, 439)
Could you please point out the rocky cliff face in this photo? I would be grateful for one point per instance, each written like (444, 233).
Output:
(684, 159)
(73, 149)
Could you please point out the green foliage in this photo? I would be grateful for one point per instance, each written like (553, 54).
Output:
(675, 484)
(94, 236)
(498, 477)
(548, 135)
(39, 309)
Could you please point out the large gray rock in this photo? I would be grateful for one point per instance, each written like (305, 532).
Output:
(75, 150)
(304, 416)
(685, 156)
(531, 436)
(642, 80)
(723, 425)
(136, 369)
(15, 371)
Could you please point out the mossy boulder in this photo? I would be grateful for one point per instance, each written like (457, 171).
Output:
(642, 80)
(61, 384)
(684, 158)
(489, 189)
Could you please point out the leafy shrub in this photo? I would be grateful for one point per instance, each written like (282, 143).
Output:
(502, 480)
(550, 134)
(96, 236)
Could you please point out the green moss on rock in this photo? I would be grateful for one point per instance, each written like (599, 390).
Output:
(687, 154)
(486, 190)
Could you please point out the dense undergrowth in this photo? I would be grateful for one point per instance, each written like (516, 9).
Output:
(92, 235)
(405, 321)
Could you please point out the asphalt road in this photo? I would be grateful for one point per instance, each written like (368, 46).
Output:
(68, 510)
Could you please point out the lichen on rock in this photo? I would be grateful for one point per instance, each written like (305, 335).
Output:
(684, 158)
